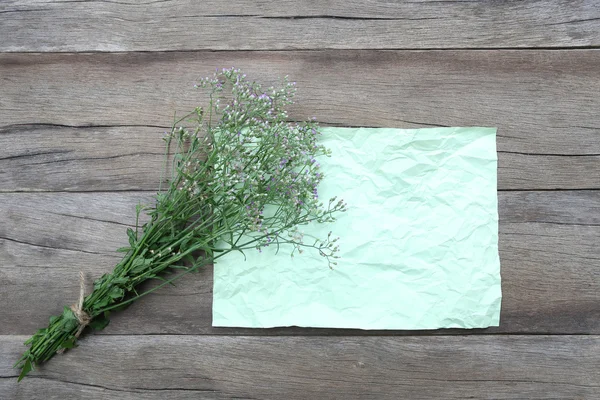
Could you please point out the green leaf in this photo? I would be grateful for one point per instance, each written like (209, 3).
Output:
(98, 283)
(99, 323)
(68, 314)
(160, 198)
(138, 210)
(101, 303)
(132, 237)
(140, 264)
(116, 292)
(70, 325)
(37, 335)
(120, 281)
(124, 249)
(166, 239)
(69, 343)
(189, 258)
(27, 367)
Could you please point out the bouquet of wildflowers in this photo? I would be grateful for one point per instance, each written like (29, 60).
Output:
(243, 178)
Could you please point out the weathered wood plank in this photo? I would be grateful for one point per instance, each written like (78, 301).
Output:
(543, 102)
(218, 367)
(548, 249)
(33, 25)
(39, 158)
(56, 158)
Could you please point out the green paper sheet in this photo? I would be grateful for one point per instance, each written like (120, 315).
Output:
(419, 243)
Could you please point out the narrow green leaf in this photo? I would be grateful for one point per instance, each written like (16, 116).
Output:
(132, 237)
(27, 367)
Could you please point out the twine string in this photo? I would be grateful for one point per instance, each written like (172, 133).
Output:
(83, 318)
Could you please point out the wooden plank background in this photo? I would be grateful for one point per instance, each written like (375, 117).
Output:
(87, 88)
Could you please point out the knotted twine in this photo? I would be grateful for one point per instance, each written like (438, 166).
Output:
(83, 318)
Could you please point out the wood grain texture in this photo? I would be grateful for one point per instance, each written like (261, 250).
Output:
(58, 158)
(220, 367)
(80, 112)
(75, 26)
(548, 251)
(543, 102)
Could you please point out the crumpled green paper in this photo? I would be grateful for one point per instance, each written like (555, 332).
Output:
(419, 243)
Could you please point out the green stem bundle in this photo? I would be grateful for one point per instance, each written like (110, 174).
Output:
(243, 179)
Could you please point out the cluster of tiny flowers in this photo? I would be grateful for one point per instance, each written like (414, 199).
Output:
(260, 160)
(329, 249)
